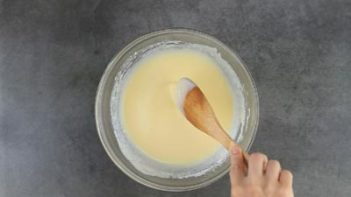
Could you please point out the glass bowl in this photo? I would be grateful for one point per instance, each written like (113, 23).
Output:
(103, 113)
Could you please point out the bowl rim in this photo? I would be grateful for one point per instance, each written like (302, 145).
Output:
(98, 109)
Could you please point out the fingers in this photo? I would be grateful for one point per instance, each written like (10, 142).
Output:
(260, 178)
(286, 178)
(257, 164)
(237, 169)
(273, 170)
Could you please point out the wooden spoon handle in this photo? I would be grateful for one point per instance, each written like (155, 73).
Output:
(222, 136)
(228, 142)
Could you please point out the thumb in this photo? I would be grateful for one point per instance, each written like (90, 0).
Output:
(237, 169)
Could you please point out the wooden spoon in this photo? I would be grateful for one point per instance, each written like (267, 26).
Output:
(195, 107)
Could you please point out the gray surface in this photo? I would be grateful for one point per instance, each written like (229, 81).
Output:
(52, 54)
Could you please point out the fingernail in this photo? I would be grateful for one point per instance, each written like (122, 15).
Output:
(236, 151)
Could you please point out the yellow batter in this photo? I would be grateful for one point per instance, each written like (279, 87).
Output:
(149, 112)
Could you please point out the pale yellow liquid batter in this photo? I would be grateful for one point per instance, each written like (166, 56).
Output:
(150, 115)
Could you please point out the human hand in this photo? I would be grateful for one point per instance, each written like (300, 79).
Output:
(261, 178)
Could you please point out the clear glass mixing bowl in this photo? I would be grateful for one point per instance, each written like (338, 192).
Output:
(103, 114)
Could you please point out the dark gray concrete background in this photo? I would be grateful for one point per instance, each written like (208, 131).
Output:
(53, 53)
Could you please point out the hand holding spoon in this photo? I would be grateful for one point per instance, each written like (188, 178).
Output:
(195, 107)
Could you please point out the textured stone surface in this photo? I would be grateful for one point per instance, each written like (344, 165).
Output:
(53, 53)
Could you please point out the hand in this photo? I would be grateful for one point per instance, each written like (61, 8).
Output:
(261, 178)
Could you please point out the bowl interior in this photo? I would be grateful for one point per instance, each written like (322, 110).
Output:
(103, 115)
